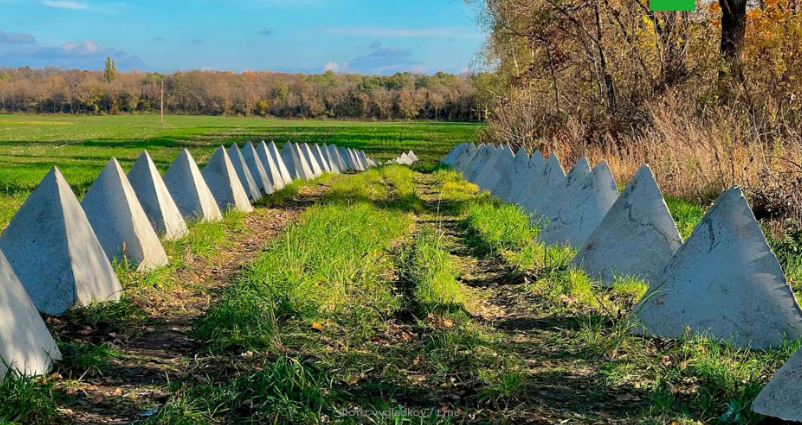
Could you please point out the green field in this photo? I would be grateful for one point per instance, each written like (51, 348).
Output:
(80, 146)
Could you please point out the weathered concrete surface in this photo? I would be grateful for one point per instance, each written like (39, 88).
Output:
(334, 151)
(724, 281)
(782, 396)
(221, 177)
(120, 222)
(190, 191)
(557, 196)
(279, 161)
(528, 175)
(455, 153)
(273, 169)
(583, 210)
(297, 166)
(244, 173)
(478, 163)
(495, 168)
(637, 237)
(306, 151)
(321, 158)
(551, 178)
(513, 174)
(258, 171)
(155, 198)
(26, 345)
(54, 251)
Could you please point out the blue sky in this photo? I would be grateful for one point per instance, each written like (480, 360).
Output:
(364, 36)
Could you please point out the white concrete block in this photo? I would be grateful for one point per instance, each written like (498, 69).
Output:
(221, 177)
(156, 200)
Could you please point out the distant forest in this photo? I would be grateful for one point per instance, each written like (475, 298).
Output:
(440, 96)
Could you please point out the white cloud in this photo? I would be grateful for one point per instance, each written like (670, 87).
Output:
(445, 32)
(66, 4)
(380, 60)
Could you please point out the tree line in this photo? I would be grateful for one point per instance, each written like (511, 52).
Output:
(405, 95)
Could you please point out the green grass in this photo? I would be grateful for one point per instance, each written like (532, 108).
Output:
(432, 274)
(80, 146)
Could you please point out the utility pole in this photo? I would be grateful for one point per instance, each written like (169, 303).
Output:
(161, 117)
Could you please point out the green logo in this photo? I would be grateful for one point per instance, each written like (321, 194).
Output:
(672, 5)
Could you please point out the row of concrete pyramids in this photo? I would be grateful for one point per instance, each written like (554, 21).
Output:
(57, 253)
(723, 281)
(406, 158)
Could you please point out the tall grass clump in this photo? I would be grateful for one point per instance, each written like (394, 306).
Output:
(495, 227)
(455, 192)
(331, 265)
(433, 274)
(26, 399)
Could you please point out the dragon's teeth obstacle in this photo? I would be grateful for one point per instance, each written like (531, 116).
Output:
(54, 251)
(257, 169)
(528, 175)
(334, 153)
(244, 174)
(555, 198)
(314, 165)
(637, 237)
(27, 346)
(275, 154)
(550, 178)
(583, 210)
(296, 164)
(492, 169)
(782, 396)
(190, 191)
(155, 199)
(510, 175)
(224, 184)
(320, 158)
(120, 222)
(724, 281)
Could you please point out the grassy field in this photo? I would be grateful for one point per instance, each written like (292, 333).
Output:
(80, 146)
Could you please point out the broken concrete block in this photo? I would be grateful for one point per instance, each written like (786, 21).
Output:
(27, 348)
(725, 282)
(156, 200)
(221, 177)
(244, 173)
(583, 210)
(557, 196)
(551, 177)
(120, 222)
(636, 238)
(54, 251)
(279, 161)
(190, 191)
(258, 171)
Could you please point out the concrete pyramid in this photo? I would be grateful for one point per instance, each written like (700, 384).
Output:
(345, 155)
(364, 159)
(314, 165)
(25, 343)
(120, 222)
(454, 154)
(334, 153)
(478, 164)
(556, 197)
(781, 397)
(724, 281)
(321, 159)
(331, 160)
(296, 165)
(495, 168)
(358, 166)
(190, 191)
(244, 173)
(550, 178)
(583, 210)
(461, 163)
(155, 199)
(515, 171)
(54, 251)
(412, 156)
(257, 169)
(221, 177)
(528, 176)
(273, 169)
(637, 237)
(277, 159)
